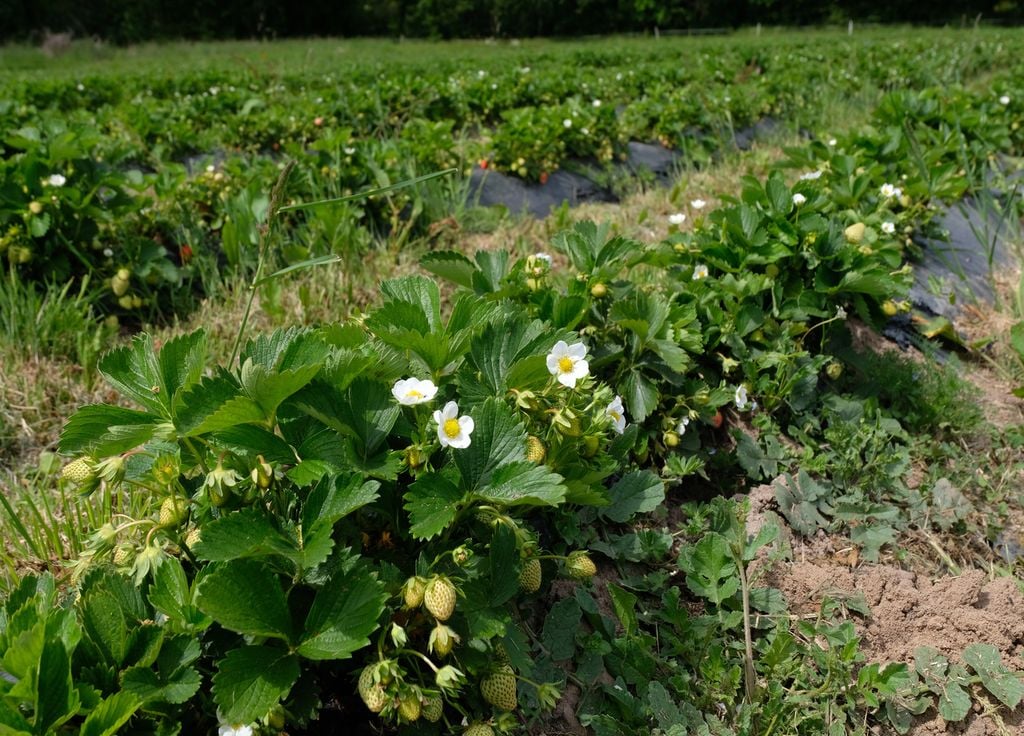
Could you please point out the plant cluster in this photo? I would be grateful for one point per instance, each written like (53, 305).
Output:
(152, 185)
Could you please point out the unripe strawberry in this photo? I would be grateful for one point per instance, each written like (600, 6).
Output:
(409, 707)
(125, 302)
(442, 640)
(598, 291)
(118, 286)
(276, 718)
(889, 308)
(194, 537)
(412, 592)
(855, 233)
(172, 512)
(671, 439)
(499, 688)
(834, 370)
(124, 555)
(35, 207)
(372, 693)
(590, 446)
(439, 597)
(124, 274)
(580, 566)
(79, 470)
(530, 576)
(771, 270)
(433, 709)
(535, 450)
(478, 729)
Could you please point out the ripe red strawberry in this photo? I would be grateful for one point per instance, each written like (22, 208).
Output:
(580, 566)
(439, 597)
(499, 688)
(530, 576)
(371, 692)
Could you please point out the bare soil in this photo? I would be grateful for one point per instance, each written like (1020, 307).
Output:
(907, 610)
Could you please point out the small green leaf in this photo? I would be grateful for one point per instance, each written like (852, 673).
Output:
(954, 702)
(343, 615)
(245, 533)
(710, 569)
(450, 265)
(151, 687)
(251, 680)
(432, 503)
(246, 597)
(997, 679)
(56, 699)
(106, 430)
(640, 394)
(111, 714)
(521, 483)
(499, 438)
(624, 604)
(560, 627)
(637, 492)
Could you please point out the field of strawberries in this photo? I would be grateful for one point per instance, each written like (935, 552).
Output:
(595, 475)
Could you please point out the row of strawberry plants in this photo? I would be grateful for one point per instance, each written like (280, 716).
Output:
(77, 198)
(372, 507)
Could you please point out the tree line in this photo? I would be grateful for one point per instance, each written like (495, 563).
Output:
(129, 21)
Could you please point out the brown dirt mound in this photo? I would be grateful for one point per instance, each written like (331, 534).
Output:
(907, 611)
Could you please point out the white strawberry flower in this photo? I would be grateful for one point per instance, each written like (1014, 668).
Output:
(453, 430)
(832, 141)
(677, 218)
(700, 271)
(568, 363)
(698, 204)
(681, 427)
(543, 257)
(56, 180)
(617, 413)
(890, 192)
(1004, 100)
(799, 199)
(567, 123)
(596, 103)
(412, 391)
(888, 228)
(740, 398)
(811, 175)
(235, 730)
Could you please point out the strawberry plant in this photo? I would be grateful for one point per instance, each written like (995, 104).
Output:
(313, 477)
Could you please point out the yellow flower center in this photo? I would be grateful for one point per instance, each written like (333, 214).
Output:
(452, 428)
(615, 415)
(565, 365)
(413, 394)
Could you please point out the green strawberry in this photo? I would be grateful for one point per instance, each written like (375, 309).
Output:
(580, 566)
(371, 692)
(530, 576)
(478, 729)
(409, 707)
(433, 709)
(439, 597)
(535, 450)
(172, 512)
(124, 554)
(499, 688)
(412, 592)
(79, 470)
